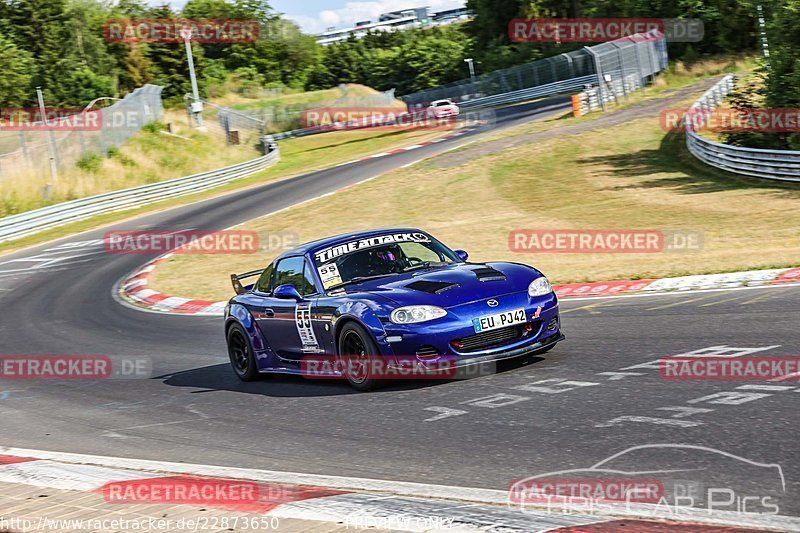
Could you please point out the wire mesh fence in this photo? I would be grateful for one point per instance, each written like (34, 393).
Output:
(237, 127)
(282, 117)
(624, 65)
(37, 148)
(620, 66)
(614, 69)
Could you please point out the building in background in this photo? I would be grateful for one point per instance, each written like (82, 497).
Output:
(403, 19)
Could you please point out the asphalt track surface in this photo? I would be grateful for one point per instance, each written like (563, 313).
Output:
(570, 409)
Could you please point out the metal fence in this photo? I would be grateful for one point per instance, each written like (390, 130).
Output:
(783, 165)
(282, 118)
(616, 67)
(31, 151)
(30, 222)
(237, 127)
(624, 65)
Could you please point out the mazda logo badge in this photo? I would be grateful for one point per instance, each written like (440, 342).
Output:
(492, 303)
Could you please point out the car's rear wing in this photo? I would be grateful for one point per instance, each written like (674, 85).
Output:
(236, 280)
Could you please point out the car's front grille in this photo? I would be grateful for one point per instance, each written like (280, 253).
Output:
(494, 338)
(427, 352)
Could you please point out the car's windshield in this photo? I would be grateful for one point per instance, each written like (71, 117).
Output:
(380, 256)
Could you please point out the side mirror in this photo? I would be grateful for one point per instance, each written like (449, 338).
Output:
(462, 254)
(287, 292)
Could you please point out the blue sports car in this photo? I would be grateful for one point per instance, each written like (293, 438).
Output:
(396, 296)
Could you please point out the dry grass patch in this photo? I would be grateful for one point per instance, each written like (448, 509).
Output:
(292, 97)
(298, 156)
(148, 157)
(631, 176)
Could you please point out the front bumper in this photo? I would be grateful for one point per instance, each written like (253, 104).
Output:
(440, 339)
(510, 354)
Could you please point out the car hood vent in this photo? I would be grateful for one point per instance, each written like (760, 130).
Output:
(489, 274)
(432, 287)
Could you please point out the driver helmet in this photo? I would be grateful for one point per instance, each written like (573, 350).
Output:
(386, 256)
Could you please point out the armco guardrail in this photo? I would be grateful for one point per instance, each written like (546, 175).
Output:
(531, 93)
(30, 222)
(783, 165)
(376, 121)
(618, 67)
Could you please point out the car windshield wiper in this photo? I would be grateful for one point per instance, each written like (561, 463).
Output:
(357, 279)
(425, 264)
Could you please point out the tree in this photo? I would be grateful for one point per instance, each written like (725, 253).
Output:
(428, 63)
(17, 67)
(37, 26)
(782, 87)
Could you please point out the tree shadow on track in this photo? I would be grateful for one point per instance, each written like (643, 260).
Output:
(221, 378)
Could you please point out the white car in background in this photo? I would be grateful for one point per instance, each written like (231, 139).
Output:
(443, 108)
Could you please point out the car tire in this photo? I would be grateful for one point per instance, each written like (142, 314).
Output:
(240, 351)
(356, 346)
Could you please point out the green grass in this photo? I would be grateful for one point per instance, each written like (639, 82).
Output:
(298, 98)
(628, 176)
(677, 76)
(297, 156)
(293, 102)
(148, 157)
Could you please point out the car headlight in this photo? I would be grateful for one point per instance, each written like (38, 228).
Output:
(539, 287)
(412, 314)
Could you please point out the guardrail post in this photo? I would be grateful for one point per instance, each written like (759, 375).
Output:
(24, 146)
(571, 66)
(653, 67)
(639, 70)
(783, 165)
(598, 70)
(504, 83)
(621, 60)
(81, 142)
(553, 68)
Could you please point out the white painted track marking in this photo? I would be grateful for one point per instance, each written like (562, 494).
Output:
(406, 491)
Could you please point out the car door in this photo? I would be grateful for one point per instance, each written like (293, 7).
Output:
(258, 303)
(285, 322)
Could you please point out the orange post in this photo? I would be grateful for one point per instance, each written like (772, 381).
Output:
(576, 105)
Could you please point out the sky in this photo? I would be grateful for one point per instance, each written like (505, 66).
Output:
(315, 16)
